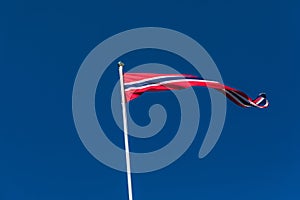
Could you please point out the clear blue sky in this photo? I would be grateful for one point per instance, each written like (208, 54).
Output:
(255, 44)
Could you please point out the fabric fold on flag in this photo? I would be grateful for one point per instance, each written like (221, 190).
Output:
(135, 84)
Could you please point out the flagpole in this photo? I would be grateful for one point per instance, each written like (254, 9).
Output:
(127, 152)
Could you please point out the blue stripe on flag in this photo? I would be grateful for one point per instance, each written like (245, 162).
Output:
(158, 80)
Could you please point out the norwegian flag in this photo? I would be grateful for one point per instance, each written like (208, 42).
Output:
(135, 84)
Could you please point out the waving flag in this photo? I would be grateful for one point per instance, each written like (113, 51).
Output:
(136, 84)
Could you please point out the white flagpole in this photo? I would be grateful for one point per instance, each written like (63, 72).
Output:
(129, 184)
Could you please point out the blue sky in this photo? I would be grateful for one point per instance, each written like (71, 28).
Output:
(255, 46)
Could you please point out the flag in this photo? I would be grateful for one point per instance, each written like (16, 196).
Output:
(135, 84)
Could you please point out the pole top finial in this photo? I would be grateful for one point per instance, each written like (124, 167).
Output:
(120, 64)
